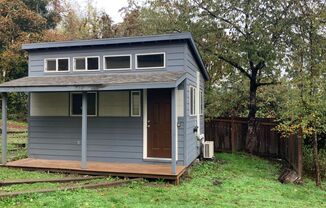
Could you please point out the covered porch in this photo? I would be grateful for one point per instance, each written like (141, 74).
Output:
(99, 83)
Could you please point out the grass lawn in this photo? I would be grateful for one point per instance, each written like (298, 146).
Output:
(240, 181)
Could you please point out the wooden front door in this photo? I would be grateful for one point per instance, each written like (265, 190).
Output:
(159, 123)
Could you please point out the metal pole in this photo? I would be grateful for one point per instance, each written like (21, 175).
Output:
(84, 132)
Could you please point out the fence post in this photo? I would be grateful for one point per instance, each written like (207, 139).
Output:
(233, 147)
(300, 165)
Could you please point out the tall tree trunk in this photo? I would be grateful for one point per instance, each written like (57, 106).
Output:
(252, 123)
(316, 160)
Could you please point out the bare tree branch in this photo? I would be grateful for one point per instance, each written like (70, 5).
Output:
(260, 65)
(200, 4)
(236, 65)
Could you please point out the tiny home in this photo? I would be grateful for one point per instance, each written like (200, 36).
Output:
(134, 102)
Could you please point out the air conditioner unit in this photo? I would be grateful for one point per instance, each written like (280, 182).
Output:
(208, 149)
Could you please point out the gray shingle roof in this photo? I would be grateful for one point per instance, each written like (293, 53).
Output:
(93, 80)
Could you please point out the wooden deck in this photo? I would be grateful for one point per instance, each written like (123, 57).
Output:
(101, 168)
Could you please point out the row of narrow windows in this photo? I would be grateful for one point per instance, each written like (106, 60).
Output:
(112, 62)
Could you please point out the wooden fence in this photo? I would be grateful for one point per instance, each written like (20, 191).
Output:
(229, 134)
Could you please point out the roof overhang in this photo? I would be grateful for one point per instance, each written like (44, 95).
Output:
(102, 82)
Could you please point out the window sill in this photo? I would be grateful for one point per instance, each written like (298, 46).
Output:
(122, 69)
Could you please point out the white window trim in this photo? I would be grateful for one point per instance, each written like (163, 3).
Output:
(56, 63)
(192, 103)
(131, 101)
(86, 67)
(70, 101)
(120, 55)
(201, 104)
(158, 67)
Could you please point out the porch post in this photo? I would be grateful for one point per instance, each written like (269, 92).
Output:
(4, 128)
(174, 130)
(84, 132)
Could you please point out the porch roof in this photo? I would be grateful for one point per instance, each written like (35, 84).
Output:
(100, 82)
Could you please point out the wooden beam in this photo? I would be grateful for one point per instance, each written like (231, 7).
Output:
(53, 180)
(174, 130)
(68, 188)
(84, 132)
(4, 128)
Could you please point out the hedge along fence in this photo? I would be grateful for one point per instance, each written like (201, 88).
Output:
(229, 135)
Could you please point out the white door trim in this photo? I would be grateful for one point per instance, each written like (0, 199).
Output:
(145, 134)
(144, 123)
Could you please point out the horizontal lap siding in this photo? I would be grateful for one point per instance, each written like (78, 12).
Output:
(174, 57)
(192, 143)
(109, 139)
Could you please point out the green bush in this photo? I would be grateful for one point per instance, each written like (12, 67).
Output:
(308, 161)
(17, 106)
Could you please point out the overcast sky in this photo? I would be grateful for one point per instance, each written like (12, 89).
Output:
(109, 6)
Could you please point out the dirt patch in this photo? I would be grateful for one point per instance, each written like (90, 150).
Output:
(14, 127)
(219, 161)
(217, 182)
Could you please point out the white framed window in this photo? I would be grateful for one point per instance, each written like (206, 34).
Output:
(201, 102)
(135, 104)
(56, 64)
(89, 63)
(150, 60)
(192, 102)
(117, 62)
(76, 103)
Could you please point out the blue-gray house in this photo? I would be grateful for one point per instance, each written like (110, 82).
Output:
(127, 101)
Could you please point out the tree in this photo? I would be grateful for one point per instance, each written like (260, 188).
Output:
(256, 34)
(19, 24)
(90, 24)
(41, 7)
(306, 108)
